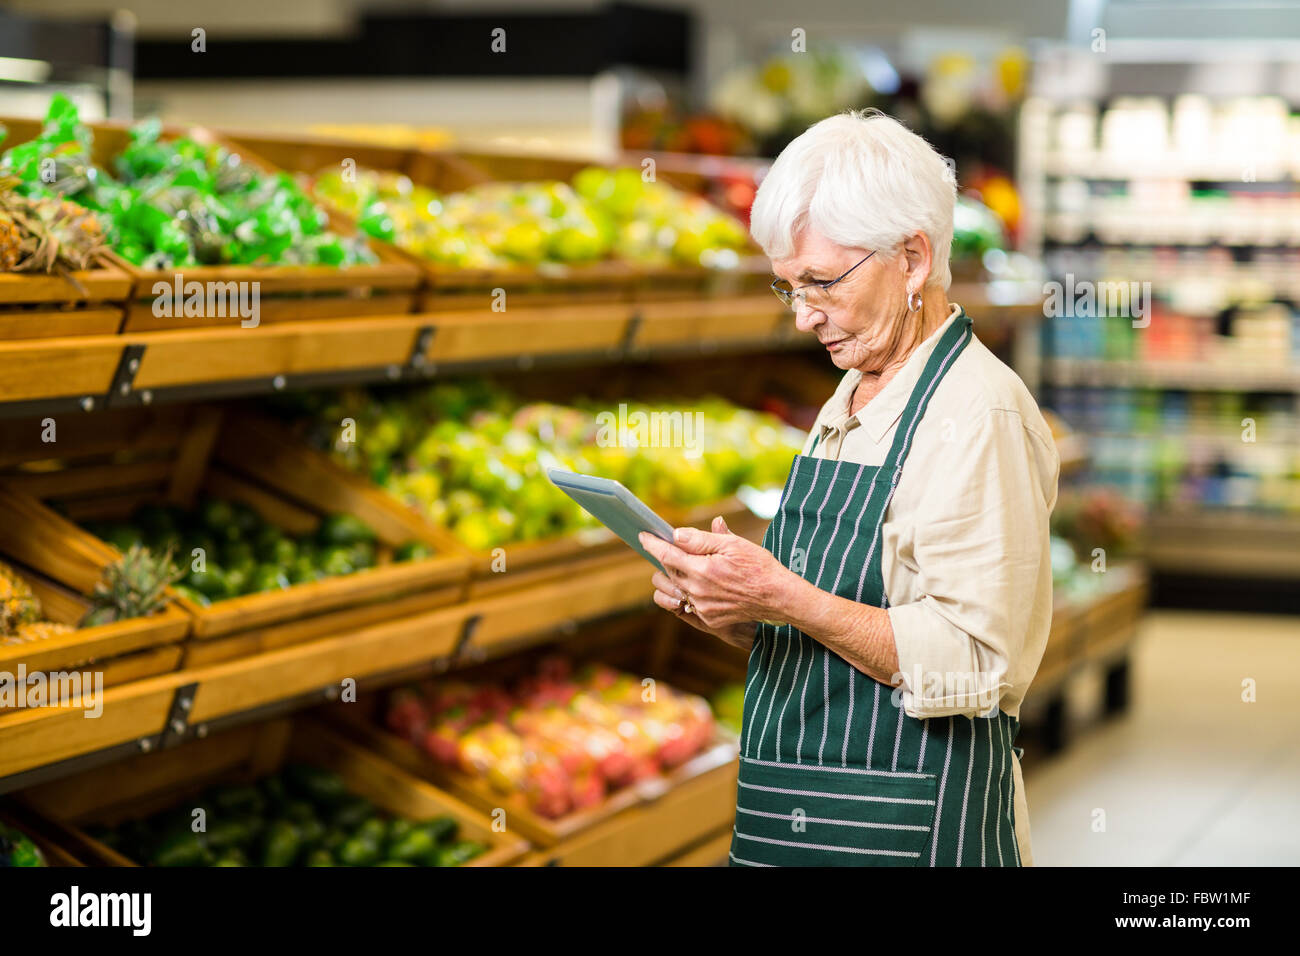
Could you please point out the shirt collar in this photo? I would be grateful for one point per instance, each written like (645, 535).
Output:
(880, 414)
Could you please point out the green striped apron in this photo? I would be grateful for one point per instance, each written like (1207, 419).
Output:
(832, 771)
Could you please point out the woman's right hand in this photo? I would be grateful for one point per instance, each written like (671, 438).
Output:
(669, 597)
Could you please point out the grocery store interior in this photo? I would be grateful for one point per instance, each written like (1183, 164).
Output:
(278, 550)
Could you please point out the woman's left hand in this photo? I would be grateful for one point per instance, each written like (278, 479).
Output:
(729, 579)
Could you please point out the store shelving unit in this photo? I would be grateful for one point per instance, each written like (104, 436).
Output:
(1195, 194)
(84, 374)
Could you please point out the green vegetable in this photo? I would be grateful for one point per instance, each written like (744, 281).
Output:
(319, 786)
(228, 832)
(235, 800)
(413, 551)
(443, 829)
(17, 849)
(418, 846)
(351, 813)
(358, 852)
(210, 582)
(182, 849)
(459, 853)
(198, 597)
(374, 830)
(280, 844)
(344, 530)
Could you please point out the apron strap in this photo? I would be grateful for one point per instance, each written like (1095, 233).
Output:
(945, 353)
(816, 439)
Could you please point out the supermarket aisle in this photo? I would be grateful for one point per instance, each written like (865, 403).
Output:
(1192, 775)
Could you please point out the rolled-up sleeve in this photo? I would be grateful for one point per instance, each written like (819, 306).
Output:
(977, 543)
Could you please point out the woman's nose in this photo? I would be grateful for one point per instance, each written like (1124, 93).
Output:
(807, 318)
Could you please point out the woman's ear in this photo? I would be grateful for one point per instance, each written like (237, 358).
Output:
(917, 253)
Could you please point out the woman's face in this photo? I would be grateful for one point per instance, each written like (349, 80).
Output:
(862, 325)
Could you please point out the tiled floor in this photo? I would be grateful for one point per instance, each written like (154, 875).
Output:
(1191, 775)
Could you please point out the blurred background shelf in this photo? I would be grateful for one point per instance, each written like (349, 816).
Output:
(1224, 542)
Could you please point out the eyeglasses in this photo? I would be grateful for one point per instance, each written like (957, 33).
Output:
(815, 294)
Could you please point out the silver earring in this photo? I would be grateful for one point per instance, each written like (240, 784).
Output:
(914, 302)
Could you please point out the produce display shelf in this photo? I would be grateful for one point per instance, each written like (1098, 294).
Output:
(448, 171)
(637, 823)
(138, 715)
(89, 373)
(179, 458)
(151, 782)
(286, 292)
(60, 565)
(38, 830)
(89, 302)
(1094, 633)
(1080, 627)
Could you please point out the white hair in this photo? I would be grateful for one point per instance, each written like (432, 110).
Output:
(863, 180)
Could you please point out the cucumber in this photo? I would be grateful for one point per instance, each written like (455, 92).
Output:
(280, 844)
(317, 785)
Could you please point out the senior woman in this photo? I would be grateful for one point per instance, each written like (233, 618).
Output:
(900, 604)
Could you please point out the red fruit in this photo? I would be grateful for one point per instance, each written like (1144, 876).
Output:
(442, 743)
(677, 746)
(451, 695)
(555, 668)
(406, 714)
(588, 791)
(597, 677)
(643, 769)
(548, 790)
(491, 700)
(573, 759)
(616, 767)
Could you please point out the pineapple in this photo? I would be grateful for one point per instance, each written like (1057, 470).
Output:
(18, 605)
(45, 234)
(40, 630)
(11, 244)
(133, 586)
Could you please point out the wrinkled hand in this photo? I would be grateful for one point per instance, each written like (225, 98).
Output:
(731, 581)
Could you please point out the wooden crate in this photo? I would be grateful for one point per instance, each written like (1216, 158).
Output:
(146, 784)
(17, 817)
(286, 293)
(61, 565)
(262, 449)
(268, 447)
(89, 302)
(449, 288)
(636, 825)
(175, 454)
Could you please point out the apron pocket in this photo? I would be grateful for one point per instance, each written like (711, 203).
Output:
(801, 815)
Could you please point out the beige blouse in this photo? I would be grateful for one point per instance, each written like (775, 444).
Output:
(966, 557)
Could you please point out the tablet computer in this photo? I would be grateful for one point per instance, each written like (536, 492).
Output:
(613, 506)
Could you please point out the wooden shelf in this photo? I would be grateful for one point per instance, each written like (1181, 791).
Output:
(140, 711)
(92, 372)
